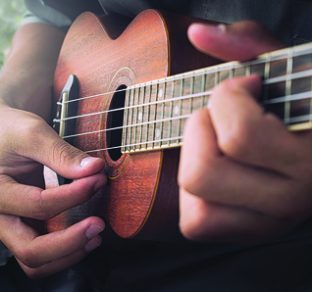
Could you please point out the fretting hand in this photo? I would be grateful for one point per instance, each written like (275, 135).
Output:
(246, 177)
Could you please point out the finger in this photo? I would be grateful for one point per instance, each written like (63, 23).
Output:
(32, 202)
(34, 251)
(36, 140)
(246, 133)
(60, 264)
(206, 173)
(239, 41)
(202, 220)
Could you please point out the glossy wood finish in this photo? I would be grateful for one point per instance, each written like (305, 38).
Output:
(141, 198)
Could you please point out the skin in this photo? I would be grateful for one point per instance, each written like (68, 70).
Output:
(232, 148)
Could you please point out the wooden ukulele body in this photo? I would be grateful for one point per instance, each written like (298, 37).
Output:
(141, 197)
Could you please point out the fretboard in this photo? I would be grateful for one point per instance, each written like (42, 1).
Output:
(155, 112)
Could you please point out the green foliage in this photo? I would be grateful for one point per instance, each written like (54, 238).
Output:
(11, 14)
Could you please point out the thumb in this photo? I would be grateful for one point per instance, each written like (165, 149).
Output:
(52, 151)
(238, 41)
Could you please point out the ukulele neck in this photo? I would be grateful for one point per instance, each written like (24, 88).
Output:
(155, 112)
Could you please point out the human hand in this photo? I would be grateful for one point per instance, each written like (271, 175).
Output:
(247, 177)
(26, 144)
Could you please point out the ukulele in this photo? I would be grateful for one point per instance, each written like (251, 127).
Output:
(126, 99)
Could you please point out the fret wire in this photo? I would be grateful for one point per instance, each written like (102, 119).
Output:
(248, 70)
(125, 119)
(181, 107)
(192, 92)
(288, 85)
(156, 130)
(231, 75)
(202, 89)
(146, 113)
(162, 97)
(154, 111)
(135, 115)
(140, 115)
(171, 110)
(129, 136)
(267, 69)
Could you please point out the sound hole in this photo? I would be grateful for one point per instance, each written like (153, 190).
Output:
(115, 120)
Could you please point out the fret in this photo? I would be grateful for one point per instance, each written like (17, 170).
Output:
(186, 103)
(192, 81)
(152, 116)
(159, 113)
(129, 119)
(134, 116)
(146, 115)
(278, 68)
(199, 88)
(176, 111)
(125, 121)
(140, 116)
(267, 68)
(258, 69)
(168, 113)
(239, 71)
(224, 75)
(288, 72)
(203, 89)
(210, 83)
(301, 85)
(301, 63)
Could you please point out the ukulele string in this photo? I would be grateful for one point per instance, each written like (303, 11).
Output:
(177, 118)
(299, 96)
(294, 97)
(178, 138)
(270, 81)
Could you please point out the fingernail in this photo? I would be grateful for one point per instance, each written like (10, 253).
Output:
(94, 230)
(86, 161)
(211, 28)
(93, 244)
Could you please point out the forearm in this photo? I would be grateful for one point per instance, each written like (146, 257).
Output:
(27, 76)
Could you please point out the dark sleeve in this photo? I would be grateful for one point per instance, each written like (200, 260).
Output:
(61, 13)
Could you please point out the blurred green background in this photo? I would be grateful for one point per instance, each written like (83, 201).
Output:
(11, 13)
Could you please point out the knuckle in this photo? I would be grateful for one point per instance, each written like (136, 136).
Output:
(193, 176)
(28, 257)
(31, 128)
(39, 210)
(61, 152)
(238, 140)
(193, 225)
